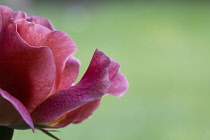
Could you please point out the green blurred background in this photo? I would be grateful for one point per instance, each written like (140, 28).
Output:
(164, 50)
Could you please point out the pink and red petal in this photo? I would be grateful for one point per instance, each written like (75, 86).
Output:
(5, 13)
(36, 19)
(27, 73)
(13, 111)
(69, 73)
(41, 21)
(119, 83)
(18, 15)
(78, 115)
(92, 86)
(119, 86)
(59, 42)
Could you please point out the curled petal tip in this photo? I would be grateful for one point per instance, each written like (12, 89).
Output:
(119, 83)
(8, 101)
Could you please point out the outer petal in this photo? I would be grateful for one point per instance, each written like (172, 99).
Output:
(42, 21)
(70, 73)
(27, 73)
(119, 83)
(77, 115)
(59, 42)
(92, 86)
(18, 15)
(118, 87)
(12, 110)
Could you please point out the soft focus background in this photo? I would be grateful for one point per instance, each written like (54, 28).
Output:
(164, 50)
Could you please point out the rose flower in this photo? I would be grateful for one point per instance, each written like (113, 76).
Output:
(38, 71)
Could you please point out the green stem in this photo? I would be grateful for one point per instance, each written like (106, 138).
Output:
(49, 134)
(6, 133)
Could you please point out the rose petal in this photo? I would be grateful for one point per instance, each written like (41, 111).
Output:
(27, 73)
(36, 19)
(92, 86)
(18, 15)
(78, 115)
(42, 21)
(12, 110)
(59, 42)
(119, 86)
(69, 73)
(5, 13)
(119, 83)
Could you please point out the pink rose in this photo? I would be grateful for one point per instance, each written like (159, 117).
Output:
(37, 72)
